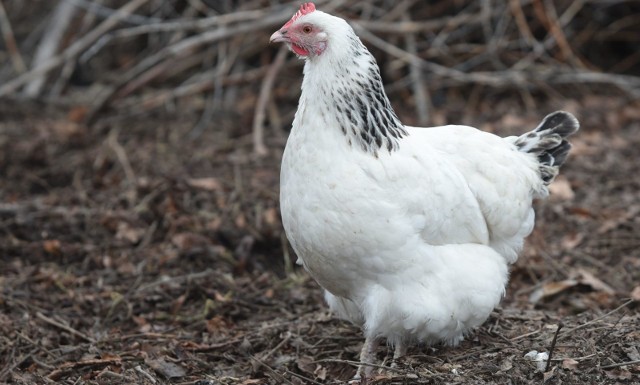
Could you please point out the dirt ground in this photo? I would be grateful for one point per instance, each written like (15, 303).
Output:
(137, 251)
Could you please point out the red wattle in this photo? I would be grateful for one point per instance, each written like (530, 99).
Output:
(299, 50)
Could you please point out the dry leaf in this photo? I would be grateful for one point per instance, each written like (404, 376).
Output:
(618, 374)
(177, 304)
(129, 233)
(252, 382)
(635, 293)
(379, 378)
(240, 221)
(222, 298)
(125, 267)
(214, 224)
(77, 114)
(580, 276)
(632, 352)
(107, 261)
(306, 364)
(548, 375)
(507, 364)
(601, 298)
(631, 112)
(167, 369)
(271, 216)
(246, 346)
(561, 189)
(52, 246)
(209, 184)
(170, 205)
(570, 363)
(582, 147)
(571, 241)
(586, 278)
(67, 130)
(615, 218)
(217, 324)
(513, 121)
(140, 321)
(551, 288)
(189, 241)
(320, 372)
(581, 211)
(608, 225)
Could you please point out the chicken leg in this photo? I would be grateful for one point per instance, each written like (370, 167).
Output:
(367, 357)
(401, 351)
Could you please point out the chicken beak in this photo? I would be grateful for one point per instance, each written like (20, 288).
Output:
(278, 37)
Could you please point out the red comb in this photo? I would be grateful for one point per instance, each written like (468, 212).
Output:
(305, 9)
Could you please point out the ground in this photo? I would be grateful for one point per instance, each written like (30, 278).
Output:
(136, 250)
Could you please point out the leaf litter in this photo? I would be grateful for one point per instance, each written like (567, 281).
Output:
(181, 277)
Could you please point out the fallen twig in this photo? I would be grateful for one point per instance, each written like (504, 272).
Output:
(584, 325)
(67, 367)
(139, 369)
(553, 346)
(122, 157)
(358, 363)
(270, 369)
(64, 327)
(10, 367)
(619, 364)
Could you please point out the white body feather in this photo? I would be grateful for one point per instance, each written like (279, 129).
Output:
(412, 243)
(415, 243)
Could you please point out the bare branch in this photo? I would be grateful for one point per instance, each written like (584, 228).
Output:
(51, 40)
(420, 94)
(73, 50)
(10, 41)
(265, 93)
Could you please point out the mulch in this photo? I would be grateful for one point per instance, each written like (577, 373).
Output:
(132, 251)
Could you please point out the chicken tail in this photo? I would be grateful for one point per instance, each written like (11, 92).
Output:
(549, 142)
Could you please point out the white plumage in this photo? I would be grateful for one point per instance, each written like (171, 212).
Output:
(409, 230)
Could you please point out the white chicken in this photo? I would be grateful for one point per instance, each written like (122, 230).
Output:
(409, 230)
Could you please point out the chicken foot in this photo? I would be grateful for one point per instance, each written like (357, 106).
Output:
(367, 356)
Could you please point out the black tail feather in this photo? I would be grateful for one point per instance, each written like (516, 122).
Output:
(560, 122)
(548, 142)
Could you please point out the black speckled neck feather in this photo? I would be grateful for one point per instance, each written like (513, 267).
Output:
(363, 110)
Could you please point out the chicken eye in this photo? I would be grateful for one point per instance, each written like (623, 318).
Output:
(307, 29)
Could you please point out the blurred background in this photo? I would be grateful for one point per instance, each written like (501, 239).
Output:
(140, 142)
